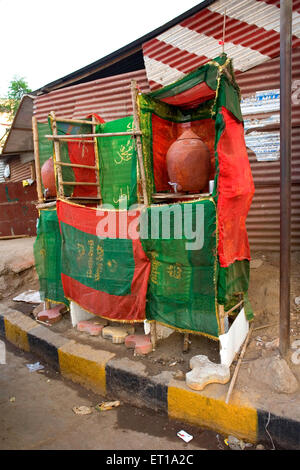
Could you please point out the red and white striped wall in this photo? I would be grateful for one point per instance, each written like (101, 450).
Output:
(252, 36)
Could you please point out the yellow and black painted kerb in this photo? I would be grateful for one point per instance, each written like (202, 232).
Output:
(101, 372)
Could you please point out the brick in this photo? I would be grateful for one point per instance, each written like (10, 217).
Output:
(141, 343)
(117, 334)
(92, 327)
(52, 315)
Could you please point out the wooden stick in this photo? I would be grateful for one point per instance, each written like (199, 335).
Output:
(153, 334)
(78, 183)
(77, 165)
(37, 160)
(224, 30)
(57, 157)
(221, 318)
(233, 308)
(96, 160)
(84, 136)
(87, 198)
(46, 205)
(8, 237)
(138, 134)
(74, 121)
(186, 342)
(79, 141)
(233, 380)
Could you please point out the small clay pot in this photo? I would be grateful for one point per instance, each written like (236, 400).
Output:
(188, 162)
(48, 177)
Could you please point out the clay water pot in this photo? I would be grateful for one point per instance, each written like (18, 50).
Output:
(188, 162)
(48, 177)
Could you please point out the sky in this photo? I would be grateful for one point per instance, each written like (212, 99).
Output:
(43, 41)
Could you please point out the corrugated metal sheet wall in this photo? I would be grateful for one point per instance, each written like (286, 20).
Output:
(264, 217)
(19, 171)
(2, 166)
(108, 97)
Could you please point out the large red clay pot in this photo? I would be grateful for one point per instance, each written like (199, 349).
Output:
(48, 177)
(188, 162)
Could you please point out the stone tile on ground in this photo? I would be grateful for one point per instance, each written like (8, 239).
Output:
(117, 334)
(141, 343)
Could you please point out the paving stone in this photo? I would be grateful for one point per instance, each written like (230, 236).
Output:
(205, 372)
(141, 343)
(92, 327)
(117, 334)
(52, 315)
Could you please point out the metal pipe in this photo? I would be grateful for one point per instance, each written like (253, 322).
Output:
(285, 172)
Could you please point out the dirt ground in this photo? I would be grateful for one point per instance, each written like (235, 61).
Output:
(168, 356)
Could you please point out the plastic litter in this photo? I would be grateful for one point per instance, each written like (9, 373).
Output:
(34, 367)
(184, 436)
(107, 405)
(12, 399)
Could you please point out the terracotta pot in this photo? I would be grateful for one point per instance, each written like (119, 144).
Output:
(188, 162)
(48, 177)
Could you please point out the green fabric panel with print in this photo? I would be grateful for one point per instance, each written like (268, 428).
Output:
(47, 255)
(106, 265)
(182, 287)
(117, 163)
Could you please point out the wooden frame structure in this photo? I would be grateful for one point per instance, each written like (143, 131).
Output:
(136, 135)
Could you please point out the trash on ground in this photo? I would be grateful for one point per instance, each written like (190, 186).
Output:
(173, 364)
(236, 444)
(82, 410)
(12, 399)
(260, 447)
(34, 367)
(30, 296)
(184, 436)
(107, 405)
(297, 300)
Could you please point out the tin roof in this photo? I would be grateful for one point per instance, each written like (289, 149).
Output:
(19, 139)
(109, 97)
(252, 36)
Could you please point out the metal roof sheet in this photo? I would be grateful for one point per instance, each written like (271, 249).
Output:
(109, 97)
(252, 36)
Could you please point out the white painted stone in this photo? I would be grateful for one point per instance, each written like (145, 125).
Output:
(163, 332)
(78, 314)
(232, 341)
(2, 353)
(205, 372)
(30, 297)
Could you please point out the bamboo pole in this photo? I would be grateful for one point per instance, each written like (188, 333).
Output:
(153, 334)
(8, 237)
(74, 121)
(186, 342)
(37, 160)
(57, 157)
(46, 205)
(96, 160)
(234, 377)
(221, 318)
(136, 122)
(77, 165)
(84, 136)
(79, 141)
(78, 183)
(235, 306)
